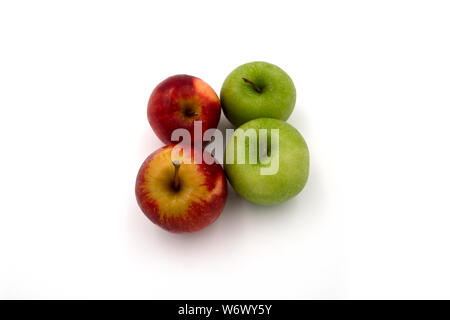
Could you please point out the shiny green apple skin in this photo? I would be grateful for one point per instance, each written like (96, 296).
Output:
(292, 173)
(241, 101)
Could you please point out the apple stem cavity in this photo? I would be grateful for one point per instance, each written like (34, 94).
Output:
(190, 113)
(258, 89)
(176, 178)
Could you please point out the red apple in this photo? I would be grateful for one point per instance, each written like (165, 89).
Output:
(180, 100)
(178, 194)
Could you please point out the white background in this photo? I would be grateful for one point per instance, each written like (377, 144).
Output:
(372, 80)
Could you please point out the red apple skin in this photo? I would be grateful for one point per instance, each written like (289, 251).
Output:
(199, 201)
(180, 100)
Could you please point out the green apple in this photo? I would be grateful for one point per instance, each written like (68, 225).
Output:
(288, 158)
(257, 90)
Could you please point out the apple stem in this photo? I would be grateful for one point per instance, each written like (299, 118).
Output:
(258, 89)
(176, 178)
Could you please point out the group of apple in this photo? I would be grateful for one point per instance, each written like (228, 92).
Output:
(180, 194)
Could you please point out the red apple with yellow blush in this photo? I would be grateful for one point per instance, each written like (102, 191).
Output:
(177, 194)
(180, 100)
